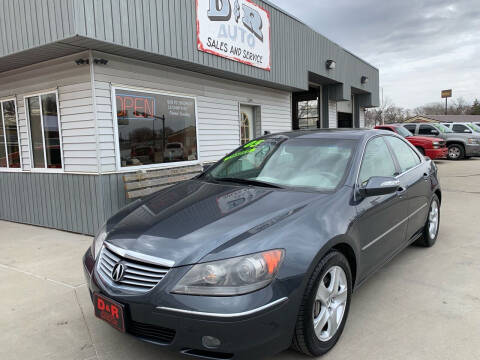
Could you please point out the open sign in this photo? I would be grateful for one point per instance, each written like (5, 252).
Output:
(135, 107)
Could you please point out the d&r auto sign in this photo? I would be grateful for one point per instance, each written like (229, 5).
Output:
(235, 29)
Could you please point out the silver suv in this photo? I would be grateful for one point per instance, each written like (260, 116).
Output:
(461, 145)
(463, 128)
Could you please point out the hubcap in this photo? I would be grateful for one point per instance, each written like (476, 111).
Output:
(433, 220)
(330, 303)
(454, 152)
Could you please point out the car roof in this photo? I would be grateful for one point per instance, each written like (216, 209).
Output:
(352, 134)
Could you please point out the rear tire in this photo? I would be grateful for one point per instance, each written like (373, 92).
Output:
(324, 311)
(456, 152)
(430, 231)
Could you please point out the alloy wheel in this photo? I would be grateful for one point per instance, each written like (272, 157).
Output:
(433, 220)
(330, 303)
(454, 152)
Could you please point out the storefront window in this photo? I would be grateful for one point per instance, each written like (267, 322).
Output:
(155, 128)
(45, 131)
(9, 143)
(306, 109)
(308, 114)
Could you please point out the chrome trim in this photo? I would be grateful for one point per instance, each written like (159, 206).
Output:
(220, 315)
(394, 227)
(133, 255)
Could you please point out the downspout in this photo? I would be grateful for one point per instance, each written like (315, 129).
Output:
(97, 140)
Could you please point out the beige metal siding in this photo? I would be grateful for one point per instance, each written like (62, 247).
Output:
(217, 104)
(76, 108)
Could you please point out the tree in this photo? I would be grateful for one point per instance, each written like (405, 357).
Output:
(475, 109)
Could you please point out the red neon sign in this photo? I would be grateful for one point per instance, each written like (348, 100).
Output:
(135, 107)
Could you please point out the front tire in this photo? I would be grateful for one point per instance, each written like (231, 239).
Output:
(456, 152)
(430, 231)
(325, 305)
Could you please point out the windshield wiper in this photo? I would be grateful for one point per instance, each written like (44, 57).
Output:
(250, 182)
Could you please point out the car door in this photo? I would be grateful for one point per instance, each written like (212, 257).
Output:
(461, 129)
(415, 179)
(411, 127)
(381, 223)
(428, 130)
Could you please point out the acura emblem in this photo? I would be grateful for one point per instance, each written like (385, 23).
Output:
(117, 272)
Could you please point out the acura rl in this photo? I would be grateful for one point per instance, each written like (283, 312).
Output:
(263, 250)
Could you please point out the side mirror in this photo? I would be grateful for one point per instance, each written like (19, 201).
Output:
(434, 132)
(379, 185)
(467, 131)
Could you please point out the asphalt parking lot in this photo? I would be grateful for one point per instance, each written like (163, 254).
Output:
(423, 305)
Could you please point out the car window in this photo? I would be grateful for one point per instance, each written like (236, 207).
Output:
(427, 130)
(377, 160)
(442, 128)
(407, 158)
(320, 164)
(458, 128)
(411, 128)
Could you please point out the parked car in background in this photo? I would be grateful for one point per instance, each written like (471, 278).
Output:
(434, 148)
(460, 145)
(243, 261)
(463, 128)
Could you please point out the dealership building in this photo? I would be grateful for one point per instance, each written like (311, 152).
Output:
(94, 90)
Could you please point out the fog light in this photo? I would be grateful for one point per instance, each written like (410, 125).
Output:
(211, 342)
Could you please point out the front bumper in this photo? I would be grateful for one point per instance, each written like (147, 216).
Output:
(472, 150)
(437, 153)
(244, 331)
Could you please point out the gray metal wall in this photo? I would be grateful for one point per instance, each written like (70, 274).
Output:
(77, 203)
(164, 31)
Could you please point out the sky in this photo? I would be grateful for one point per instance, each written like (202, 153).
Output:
(419, 46)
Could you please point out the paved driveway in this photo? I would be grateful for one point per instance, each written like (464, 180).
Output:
(423, 305)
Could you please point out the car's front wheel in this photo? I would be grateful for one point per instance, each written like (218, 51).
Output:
(456, 152)
(325, 306)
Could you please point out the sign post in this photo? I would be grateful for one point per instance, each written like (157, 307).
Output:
(445, 95)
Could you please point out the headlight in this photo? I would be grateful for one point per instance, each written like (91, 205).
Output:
(98, 241)
(236, 276)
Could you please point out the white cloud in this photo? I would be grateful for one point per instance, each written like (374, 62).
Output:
(419, 46)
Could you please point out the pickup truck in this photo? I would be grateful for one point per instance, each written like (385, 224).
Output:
(434, 148)
(460, 145)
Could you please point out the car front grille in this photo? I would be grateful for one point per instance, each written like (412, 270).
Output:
(151, 332)
(138, 276)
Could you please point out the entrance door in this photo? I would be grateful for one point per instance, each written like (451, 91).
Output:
(249, 123)
(345, 120)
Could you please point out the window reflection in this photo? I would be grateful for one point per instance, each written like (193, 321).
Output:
(44, 131)
(11, 134)
(155, 129)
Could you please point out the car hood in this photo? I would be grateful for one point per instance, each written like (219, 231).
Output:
(187, 221)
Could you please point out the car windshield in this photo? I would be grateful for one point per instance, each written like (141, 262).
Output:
(320, 164)
(474, 127)
(403, 131)
(442, 128)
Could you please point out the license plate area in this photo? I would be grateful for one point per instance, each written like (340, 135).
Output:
(110, 311)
